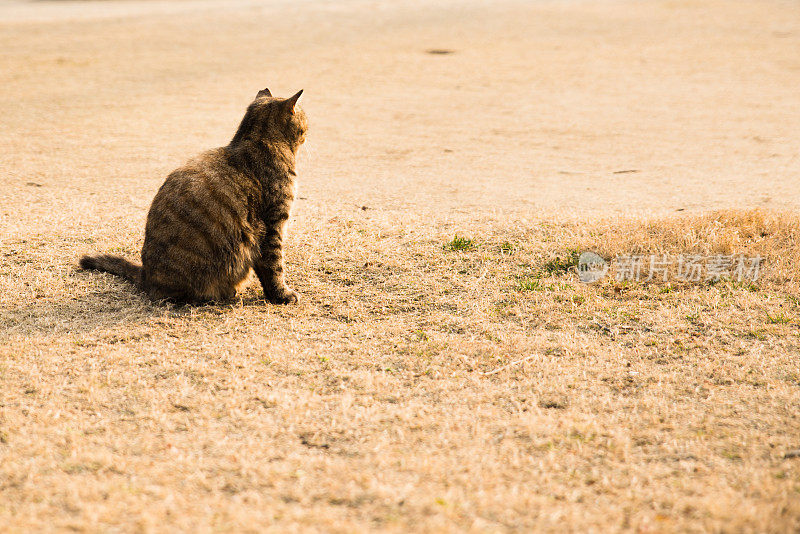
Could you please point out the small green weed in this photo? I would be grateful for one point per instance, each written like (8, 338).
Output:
(562, 264)
(778, 318)
(460, 244)
(530, 284)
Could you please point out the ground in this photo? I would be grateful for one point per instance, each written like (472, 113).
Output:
(445, 369)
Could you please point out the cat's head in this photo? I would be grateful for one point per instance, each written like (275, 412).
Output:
(269, 120)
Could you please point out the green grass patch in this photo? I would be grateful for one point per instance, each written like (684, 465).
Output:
(562, 263)
(530, 284)
(460, 244)
(778, 318)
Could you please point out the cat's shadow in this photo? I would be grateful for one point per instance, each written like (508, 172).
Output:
(110, 311)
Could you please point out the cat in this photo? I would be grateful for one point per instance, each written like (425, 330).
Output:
(223, 214)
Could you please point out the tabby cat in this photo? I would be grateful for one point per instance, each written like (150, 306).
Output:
(222, 214)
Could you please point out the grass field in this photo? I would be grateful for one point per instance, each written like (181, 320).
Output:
(445, 369)
(416, 387)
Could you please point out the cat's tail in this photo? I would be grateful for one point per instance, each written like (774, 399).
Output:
(114, 265)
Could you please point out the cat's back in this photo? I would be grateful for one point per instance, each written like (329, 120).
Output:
(198, 221)
(199, 173)
(206, 186)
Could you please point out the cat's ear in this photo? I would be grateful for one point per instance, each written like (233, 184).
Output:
(263, 92)
(292, 101)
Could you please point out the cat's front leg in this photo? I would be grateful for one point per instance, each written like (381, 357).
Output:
(269, 267)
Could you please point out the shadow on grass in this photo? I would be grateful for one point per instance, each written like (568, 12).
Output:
(122, 308)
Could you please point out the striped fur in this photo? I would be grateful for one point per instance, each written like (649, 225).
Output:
(223, 214)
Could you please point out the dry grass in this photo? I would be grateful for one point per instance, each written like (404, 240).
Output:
(416, 387)
(425, 383)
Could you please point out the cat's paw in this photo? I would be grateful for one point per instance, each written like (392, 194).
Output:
(287, 296)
